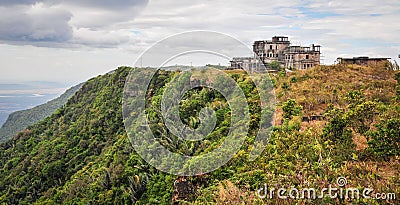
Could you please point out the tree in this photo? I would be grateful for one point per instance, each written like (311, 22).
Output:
(361, 116)
(337, 132)
(354, 98)
(337, 126)
(290, 109)
(385, 140)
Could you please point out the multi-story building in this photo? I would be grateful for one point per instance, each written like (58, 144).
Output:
(268, 51)
(299, 57)
(279, 49)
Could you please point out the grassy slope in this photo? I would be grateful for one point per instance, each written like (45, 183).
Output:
(315, 88)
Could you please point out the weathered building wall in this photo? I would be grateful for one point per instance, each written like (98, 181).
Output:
(298, 57)
(269, 51)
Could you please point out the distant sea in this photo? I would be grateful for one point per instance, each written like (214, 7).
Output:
(15, 97)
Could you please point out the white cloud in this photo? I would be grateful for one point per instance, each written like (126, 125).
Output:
(60, 23)
(104, 38)
(353, 7)
(84, 33)
(32, 24)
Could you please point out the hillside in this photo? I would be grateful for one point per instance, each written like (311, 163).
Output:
(315, 88)
(81, 153)
(20, 120)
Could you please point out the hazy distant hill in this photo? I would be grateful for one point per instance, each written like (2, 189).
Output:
(20, 120)
(26, 95)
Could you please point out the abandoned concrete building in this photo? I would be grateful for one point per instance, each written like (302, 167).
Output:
(299, 57)
(279, 49)
(268, 51)
(363, 60)
(245, 63)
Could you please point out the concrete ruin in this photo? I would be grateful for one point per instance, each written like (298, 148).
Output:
(279, 49)
(245, 63)
(363, 60)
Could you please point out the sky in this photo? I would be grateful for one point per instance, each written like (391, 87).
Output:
(71, 41)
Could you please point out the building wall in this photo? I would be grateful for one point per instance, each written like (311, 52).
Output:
(269, 51)
(302, 60)
(275, 52)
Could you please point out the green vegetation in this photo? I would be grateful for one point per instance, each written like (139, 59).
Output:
(290, 109)
(275, 65)
(82, 155)
(20, 120)
(385, 142)
(397, 78)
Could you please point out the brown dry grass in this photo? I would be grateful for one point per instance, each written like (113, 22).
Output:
(228, 193)
(315, 87)
(360, 141)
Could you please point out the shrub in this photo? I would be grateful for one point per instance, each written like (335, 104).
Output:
(290, 109)
(385, 140)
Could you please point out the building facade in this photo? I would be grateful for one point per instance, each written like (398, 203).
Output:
(268, 51)
(299, 57)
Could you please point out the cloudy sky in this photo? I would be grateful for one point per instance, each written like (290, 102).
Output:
(71, 41)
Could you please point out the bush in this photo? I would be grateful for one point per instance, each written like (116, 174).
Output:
(290, 109)
(337, 133)
(385, 140)
(275, 65)
(293, 79)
